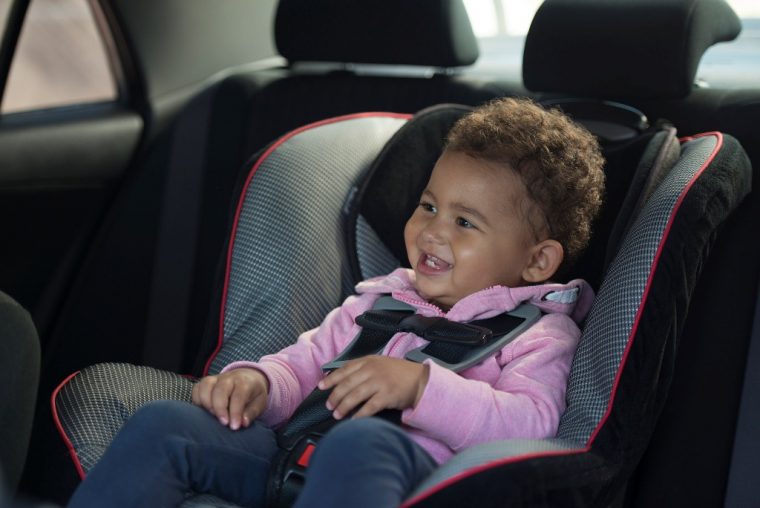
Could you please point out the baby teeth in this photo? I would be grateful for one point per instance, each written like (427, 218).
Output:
(433, 262)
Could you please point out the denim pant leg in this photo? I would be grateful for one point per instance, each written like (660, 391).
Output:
(170, 448)
(365, 462)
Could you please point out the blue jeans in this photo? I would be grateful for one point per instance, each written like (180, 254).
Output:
(170, 449)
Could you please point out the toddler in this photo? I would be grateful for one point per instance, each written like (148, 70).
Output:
(508, 205)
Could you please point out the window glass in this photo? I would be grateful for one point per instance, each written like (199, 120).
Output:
(734, 64)
(501, 26)
(60, 59)
(5, 7)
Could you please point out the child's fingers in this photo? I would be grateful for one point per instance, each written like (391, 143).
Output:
(358, 398)
(348, 394)
(220, 399)
(241, 395)
(202, 392)
(254, 408)
(338, 375)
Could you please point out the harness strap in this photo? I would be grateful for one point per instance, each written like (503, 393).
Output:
(454, 345)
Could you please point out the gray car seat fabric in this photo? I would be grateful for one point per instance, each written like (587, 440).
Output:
(307, 182)
(302, 186)
(612, 321)
(622, 370)
(287, 242)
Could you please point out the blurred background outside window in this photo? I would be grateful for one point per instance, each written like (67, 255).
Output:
(501, 26)
(61, 59)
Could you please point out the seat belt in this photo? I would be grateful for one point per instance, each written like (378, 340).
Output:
(174, 261)
(742, 489)
(455, 346)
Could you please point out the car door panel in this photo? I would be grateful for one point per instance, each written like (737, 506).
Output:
(57, 173)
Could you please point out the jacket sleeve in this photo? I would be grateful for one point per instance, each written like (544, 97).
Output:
(526, 400)
(295, 371)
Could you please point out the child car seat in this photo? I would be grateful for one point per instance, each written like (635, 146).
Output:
(341, 190)
(646, 54)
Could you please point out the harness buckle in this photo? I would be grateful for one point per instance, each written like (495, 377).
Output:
(441, 329)
(289, 466)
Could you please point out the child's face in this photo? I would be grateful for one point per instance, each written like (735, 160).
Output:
(467, 234)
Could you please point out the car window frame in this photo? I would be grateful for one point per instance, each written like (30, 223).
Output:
(117, 58)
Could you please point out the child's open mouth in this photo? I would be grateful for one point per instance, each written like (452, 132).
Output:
(431, 265)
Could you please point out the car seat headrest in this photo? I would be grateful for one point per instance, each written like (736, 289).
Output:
(635, 48)
(390, 190)
(392, 187)
(434, 33)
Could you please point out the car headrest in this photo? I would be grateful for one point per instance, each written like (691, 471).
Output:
(634, 48)
(434, 33)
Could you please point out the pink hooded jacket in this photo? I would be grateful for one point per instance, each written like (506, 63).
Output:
(517, 393)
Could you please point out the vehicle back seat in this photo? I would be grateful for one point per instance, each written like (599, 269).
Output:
(247, 110)
(163, 312)
(348, 166)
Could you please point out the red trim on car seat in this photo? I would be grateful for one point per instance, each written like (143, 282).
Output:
(483, 467)
(59, 426)
(496, 463)
(252, 172)
(652, 271)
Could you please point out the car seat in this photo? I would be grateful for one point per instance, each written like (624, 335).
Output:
(341, 190)
(646, 54)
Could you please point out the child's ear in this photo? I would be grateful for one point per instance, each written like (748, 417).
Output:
(545, 258)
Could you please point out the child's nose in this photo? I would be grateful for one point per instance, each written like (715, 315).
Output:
(434, 231)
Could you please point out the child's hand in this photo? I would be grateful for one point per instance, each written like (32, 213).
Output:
(236, 397)
(379, 382)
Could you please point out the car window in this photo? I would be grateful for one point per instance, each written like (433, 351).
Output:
(501, 26)
(735, 64)
(5, 7)
(60, 58)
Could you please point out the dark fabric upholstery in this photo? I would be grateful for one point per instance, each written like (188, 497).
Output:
(658, 158)
(717, 333)
(625, 48)
(396, 179)
(423, 32)
(19, 374)
(621, 163)
(645, 381)
(303, 98)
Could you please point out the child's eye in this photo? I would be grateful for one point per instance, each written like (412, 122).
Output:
(427, 207)
(464, 223)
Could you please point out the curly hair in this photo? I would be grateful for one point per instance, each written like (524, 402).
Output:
(559, 162)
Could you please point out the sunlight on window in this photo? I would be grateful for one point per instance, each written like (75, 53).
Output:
(501, 27)
(746, 8)
(482, 16)
(60, 59)
(492, 18)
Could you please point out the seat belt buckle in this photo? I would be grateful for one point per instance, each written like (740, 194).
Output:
(288, 473)
(303, 460)
(298, 462)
